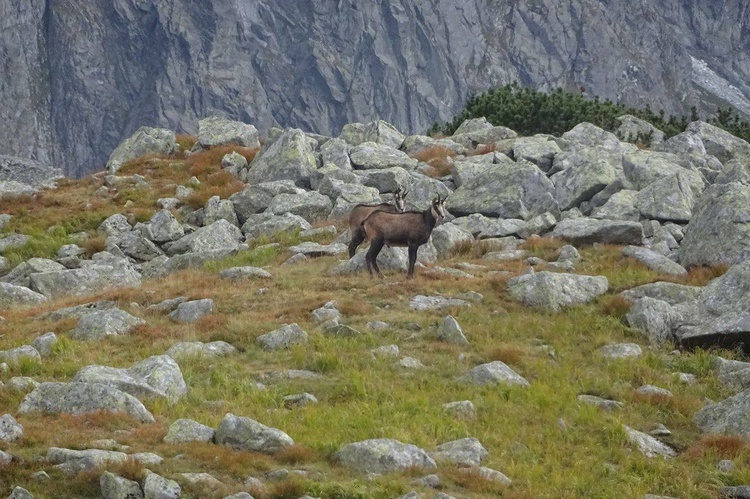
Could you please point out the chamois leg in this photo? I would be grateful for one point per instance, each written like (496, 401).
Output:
(412, 259)
(372, 256)
(357, 237)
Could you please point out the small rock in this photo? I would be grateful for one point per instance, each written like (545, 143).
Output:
(299, 400)
(463, 409)
(192, 311)
(451, 332)
(284, 337)
(621, 351)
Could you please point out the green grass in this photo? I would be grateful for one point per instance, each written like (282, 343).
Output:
(548, 443)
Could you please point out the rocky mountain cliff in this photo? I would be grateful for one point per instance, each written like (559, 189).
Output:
(78, 78)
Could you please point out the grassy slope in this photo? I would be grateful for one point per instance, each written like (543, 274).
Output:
(541, 437)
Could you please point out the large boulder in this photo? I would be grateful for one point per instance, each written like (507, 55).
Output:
(26, 174)
(219, 209)
(619, 206)
(382, 455)
(632, 129)
(730, 416)
(336, 152)
(521, 192)
(719, 230)
(655, 318)
(137, 247)
(214, 131)
(379, 132)
(186, 430)
(372, 156)
(256, 198)
(99, 324)
(591, 135)
(718, 142)
(20, 274)
(447, 236)
(555, 291)
(284, 337)
(88, 280)
(268, 224)
(156, 377)
(220, 235)
(643, 168)
(386, 179)
(290, 157)
(389, 259)
(577, 184)
(590, 230)
(668, 199)
(145, 140)
(669, 292)
(18, 296)
(163, 227)
(309, 205)
(539, 149)
(246, 434)
(490, 135)
(82, 398)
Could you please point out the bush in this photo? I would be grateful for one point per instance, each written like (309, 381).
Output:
(528, 112)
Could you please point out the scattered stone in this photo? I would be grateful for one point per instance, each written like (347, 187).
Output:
(488, 474)
(116, 487)
(246, 434)
(10, 430)
(284, 337)
(12, 295)
(421, 302)
(466, 451)
(621, 351)
(410, 363)
(601, 403)
(20, 493)
(555, 291)
(192, 311)
(187, 430)
(669, 292)
(462, 409)
(22, 384)
(654, 260)
(493, 373)
(158, 487)
(82, 398)
(650, 390)
(299, 400)
(44, 343)
(198, 349)
(648, 445)
(214, 131)
(451, 332)
(98, 324)
(382, 456)
(145, 140)
(237, 273)
(15, 355)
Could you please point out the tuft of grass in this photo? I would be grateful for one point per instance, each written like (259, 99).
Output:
(297, 454)
(717, 447)
(700, 276)
(546, 248)
(438, 158)
(186, 141)
(614, 306)
(94, 245)
(512, 356)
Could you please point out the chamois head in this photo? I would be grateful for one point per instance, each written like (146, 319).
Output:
(399, 199)
(438, 210)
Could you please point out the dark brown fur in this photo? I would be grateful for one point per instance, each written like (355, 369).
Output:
(360, 212)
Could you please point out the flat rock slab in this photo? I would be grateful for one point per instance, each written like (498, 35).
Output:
(648, 445)
(311, 249)
(382, 455)
(157, 376)
(591, 230)
(237, 273)
(246, 434)
(555, 291)
(199, 349)
(421, 302)
(77, 461)
(82, 398)
(102, 323)
(493, 373)
(654, 260)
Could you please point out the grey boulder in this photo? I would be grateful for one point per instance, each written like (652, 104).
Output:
(99, 324)
(214, 131)
(555, 291)
(187, 430)
(246, 434)
(591, 230)
(382, 455)
(12, 295)
(493, 373)
(290, 157)
(282, 338)
(145, 140)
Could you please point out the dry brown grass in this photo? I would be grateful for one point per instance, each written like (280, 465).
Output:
(546, 247)
(94, 245)
(719, 446)
(186, 141)
(208, 161)
(508, 354)
(700, 276)
(437, 158)
(614, 306)
(297, 454)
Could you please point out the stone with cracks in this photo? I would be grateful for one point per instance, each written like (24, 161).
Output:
(521, 192)
(382, 455)
(88, 280)
(493, 373)
(620, 206)
(654, 317)
(157, 487)
(445, 237)
(156, 377)
(82, 398)
(290, 157)
(577, 184)
(632, 129)
(283, 338)
(163, 227)
(137, 247)
(234, 163)
(219, 209)
(463, 170)
(555, 290)
(719, 142)
(116, 487)
(267, 224)
(19, 296)
(648, 445)
(450, 331)
(668, 199)
(115, 225)
(220, 235)
(145, 140)
(192, 311)
(99, 324)
(10, 430)
(310, 205)
(643, 168)
(187, 430)
(214, 132)
(246, 434)
(257, 197)
(336, 152)
(372, 156)
(719, 230)
(590, 230)
(465, 452)
(20, 274)
(380, 132)
(539, 149)
(654, 260)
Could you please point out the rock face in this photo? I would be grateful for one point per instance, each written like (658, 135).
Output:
(67, 77)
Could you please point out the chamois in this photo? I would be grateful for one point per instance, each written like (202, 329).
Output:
(411, 229)
(362, 211)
